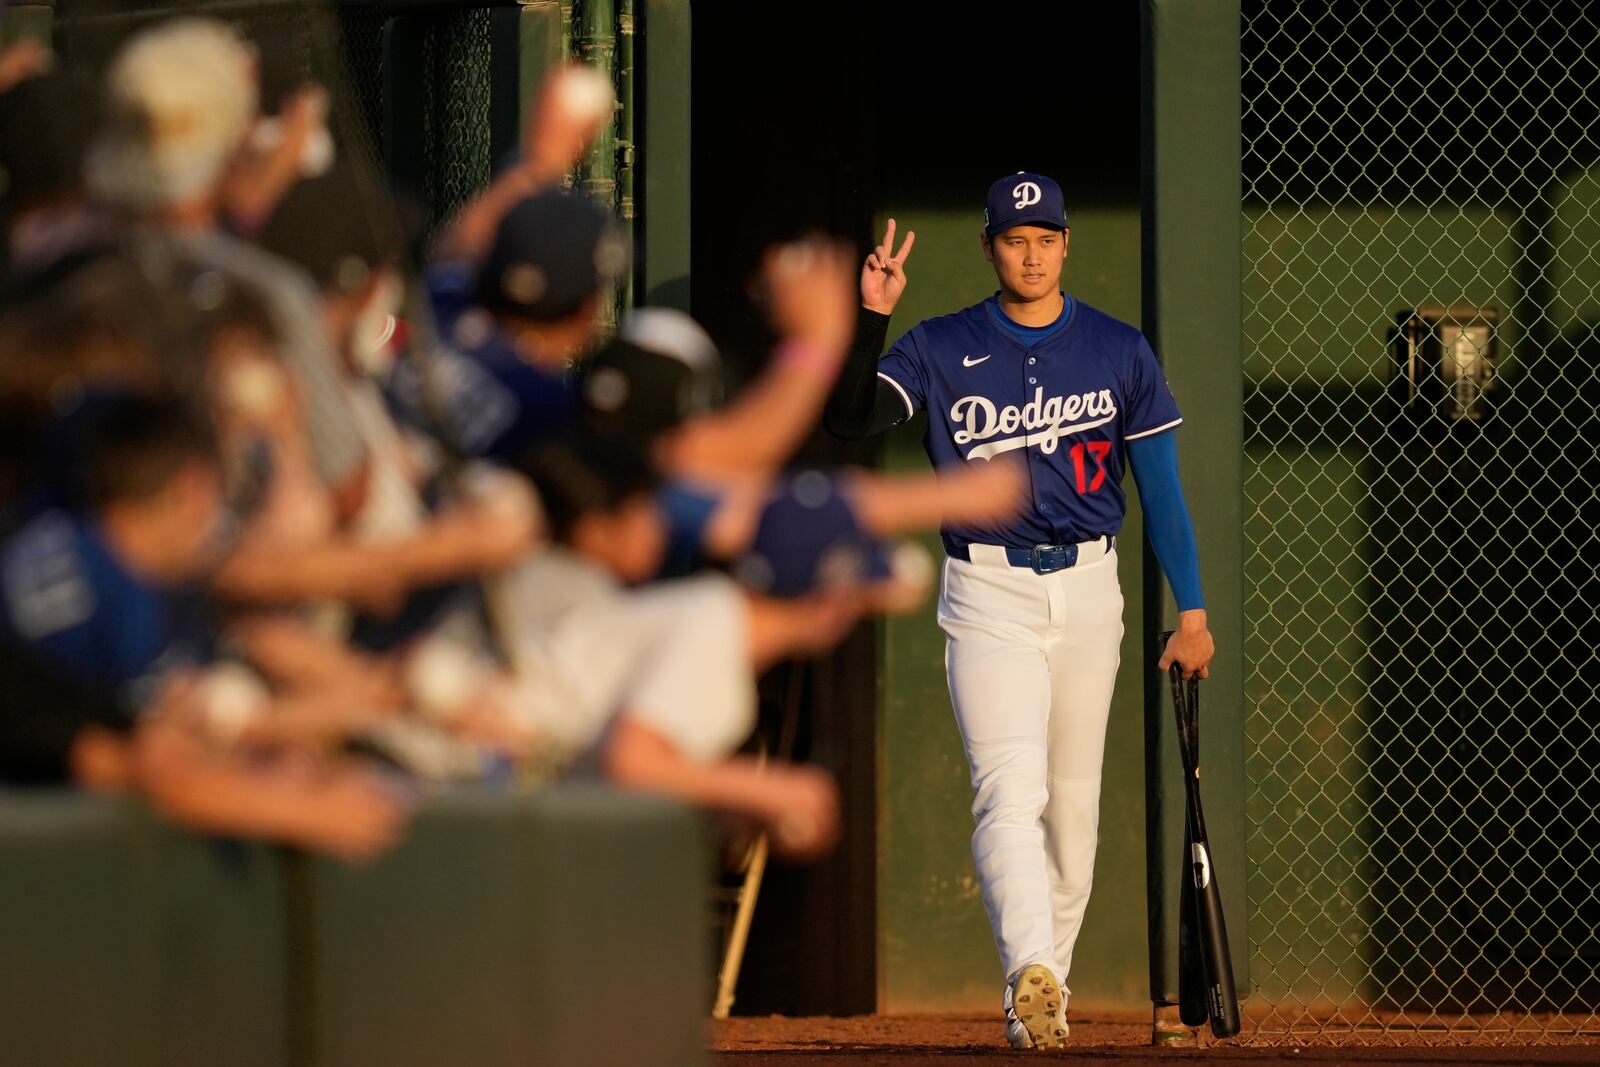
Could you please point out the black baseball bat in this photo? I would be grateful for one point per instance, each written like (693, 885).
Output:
(1192, 1007)
(1210, 927)
(1191, 967)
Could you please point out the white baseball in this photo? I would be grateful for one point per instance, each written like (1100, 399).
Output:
(442, 677)
(231, 697)
(913, 572)
(254, 389)
(506, 492)
(585, 94)
(316, 155)
(316, 159)
(912, 565)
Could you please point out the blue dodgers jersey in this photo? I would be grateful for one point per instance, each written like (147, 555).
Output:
(66, 596)
(473, 390)
(1067, 406)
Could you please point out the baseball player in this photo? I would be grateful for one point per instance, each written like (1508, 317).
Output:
(1030, 606)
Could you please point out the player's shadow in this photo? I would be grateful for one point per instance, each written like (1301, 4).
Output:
(1484, 648)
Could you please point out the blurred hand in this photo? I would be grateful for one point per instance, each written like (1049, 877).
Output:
(380, 591)
(802, 814)
(493, 534)
(176, 702)
(984, 492)
(281, 150)
(378, 681)
(883, 277)
(574, 104)
(782, 629)
(807, 289)
(327, 714)
(824, 618)
(21, 61)
(908, 585)
(491, 719)
(303, 120)
(353, 816)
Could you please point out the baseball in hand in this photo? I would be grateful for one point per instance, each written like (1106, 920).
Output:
(316, 157)
(584, 94)
(912, 572)
(231, 697)
(443, 678)
(509, 497)
(912, 565)
(254, 390)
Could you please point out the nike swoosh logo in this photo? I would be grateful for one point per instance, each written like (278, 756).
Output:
(968, 361)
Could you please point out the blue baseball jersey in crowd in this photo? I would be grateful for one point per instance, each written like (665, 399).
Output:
(688, 510)
(1065, 399)
(491, 401)
(68, 597)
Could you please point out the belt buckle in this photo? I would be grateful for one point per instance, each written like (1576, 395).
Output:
(1047, 559)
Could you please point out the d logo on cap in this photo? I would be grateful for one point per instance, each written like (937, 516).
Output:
(1022, 199)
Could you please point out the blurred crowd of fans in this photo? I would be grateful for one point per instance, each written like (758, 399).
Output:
(301, 516)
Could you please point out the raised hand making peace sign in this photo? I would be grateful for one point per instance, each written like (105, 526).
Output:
(883, 277)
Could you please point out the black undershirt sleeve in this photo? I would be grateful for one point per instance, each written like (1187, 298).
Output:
(863, 404)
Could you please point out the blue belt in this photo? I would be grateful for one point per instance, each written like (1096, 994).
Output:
(1041, 559)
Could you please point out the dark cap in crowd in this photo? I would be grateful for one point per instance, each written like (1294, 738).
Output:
(552, 252)
(584, 472)
(809, 538)
(660, 369)
(342, 227)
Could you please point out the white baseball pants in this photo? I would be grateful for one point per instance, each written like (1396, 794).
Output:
(1031, 661)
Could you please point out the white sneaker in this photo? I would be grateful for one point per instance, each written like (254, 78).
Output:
(1035, 1016)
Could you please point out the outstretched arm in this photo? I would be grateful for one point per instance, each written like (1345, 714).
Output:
(810, 298)
(573, 104)
(798, 804)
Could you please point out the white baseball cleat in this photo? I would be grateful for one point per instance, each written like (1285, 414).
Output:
(1035, 1017)
(1016, 1033)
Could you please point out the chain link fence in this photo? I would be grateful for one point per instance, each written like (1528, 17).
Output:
(426, 95)
(455, 127)
(1422, 294)
(413, 82)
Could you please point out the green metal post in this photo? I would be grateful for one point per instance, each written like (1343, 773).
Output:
(662, 127)
(541, 46)
(28, 21)
(625, 134)
(567, 29)
(1192, 315)
(596, 41)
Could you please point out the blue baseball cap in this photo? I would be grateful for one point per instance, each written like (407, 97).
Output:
(552, 251)
(809, 537)
(1024, 199)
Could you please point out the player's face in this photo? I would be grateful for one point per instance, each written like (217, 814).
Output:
(1028, 261)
